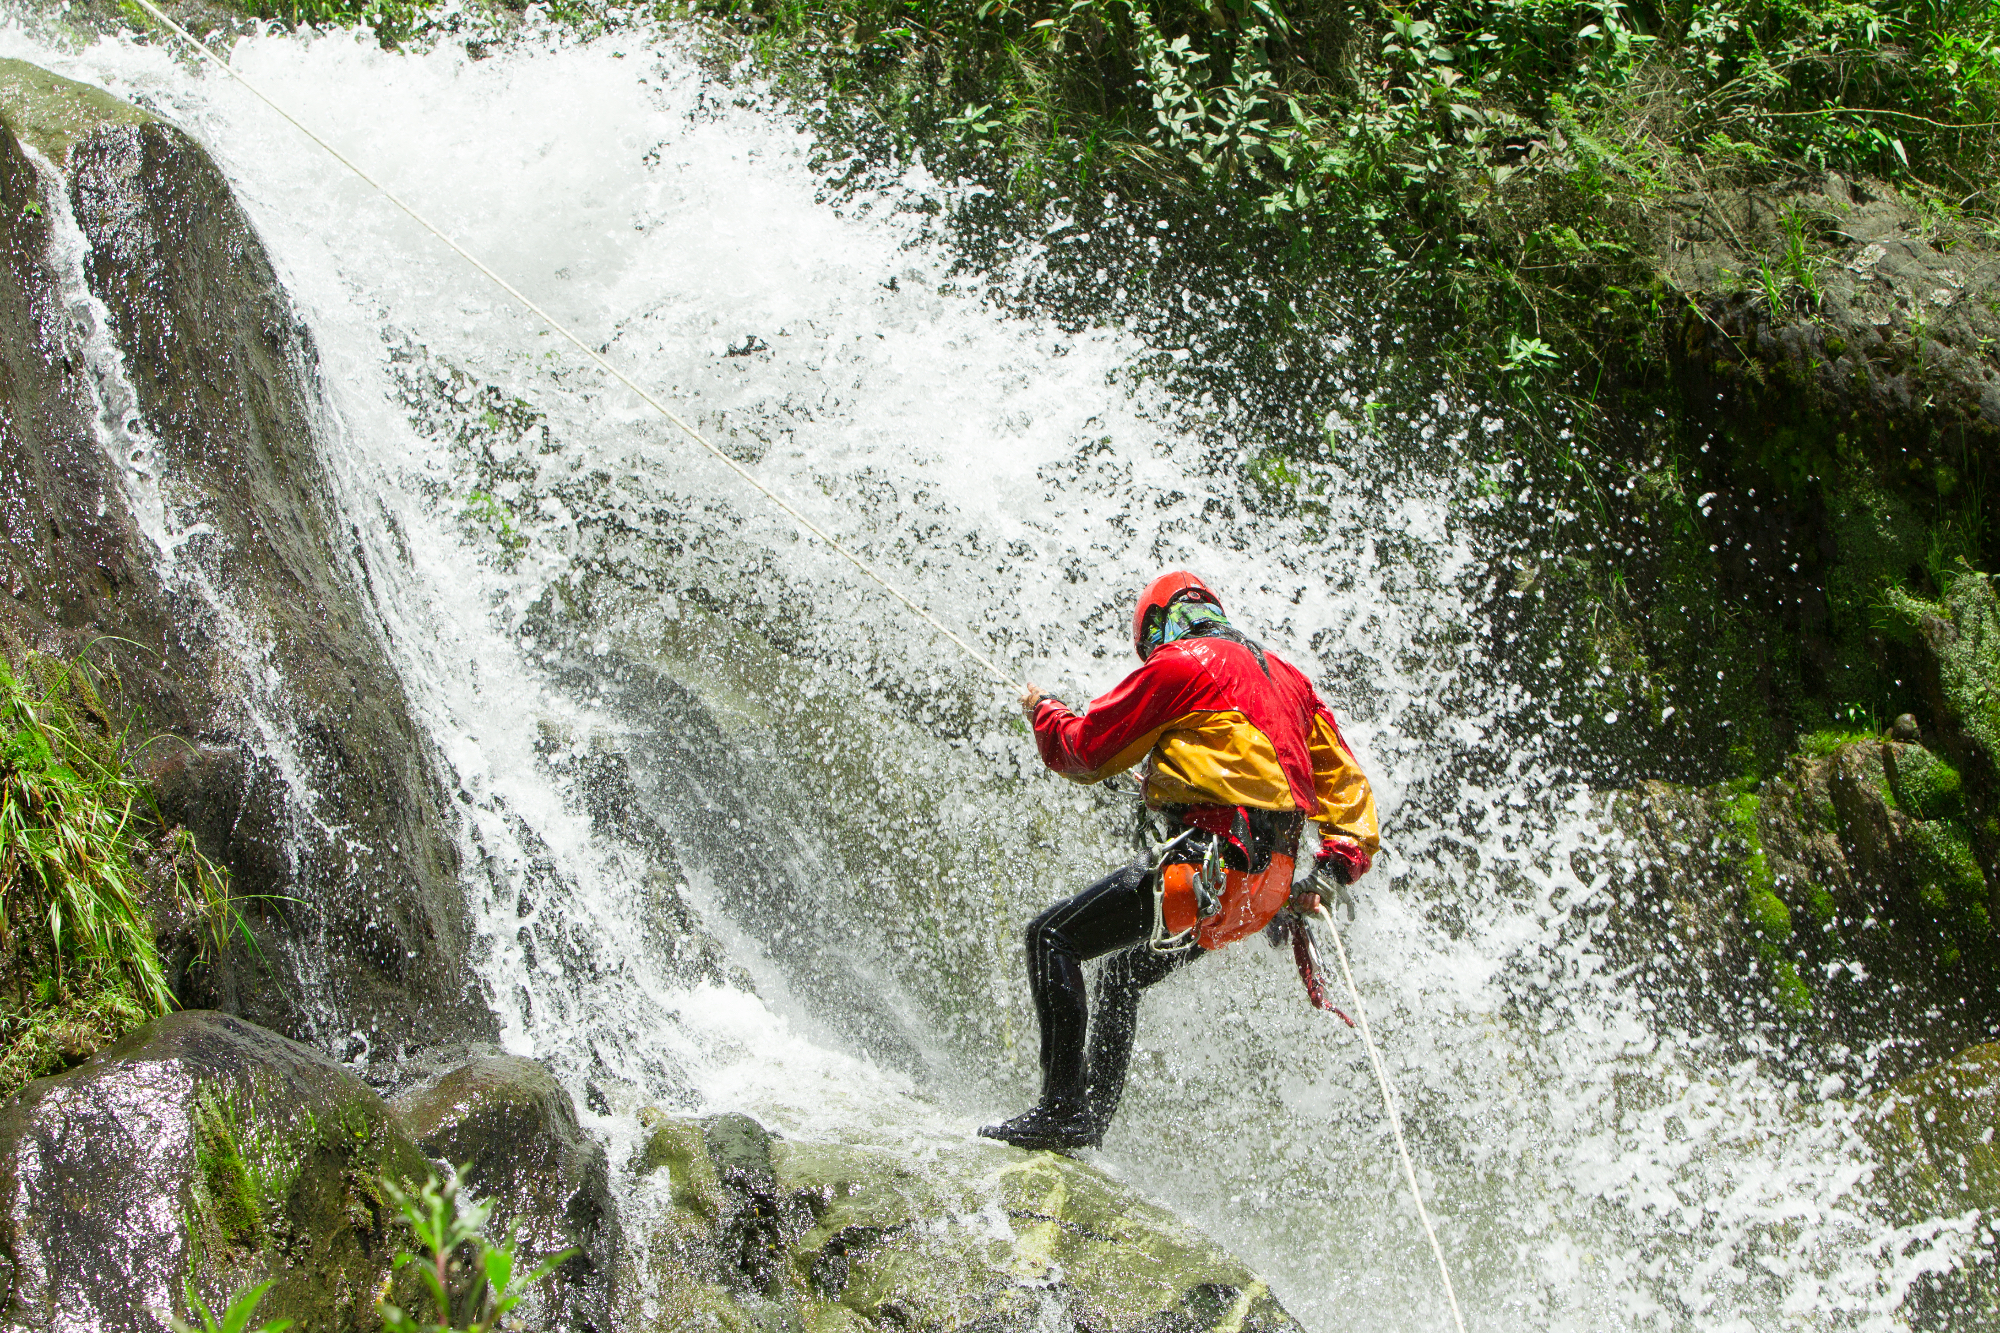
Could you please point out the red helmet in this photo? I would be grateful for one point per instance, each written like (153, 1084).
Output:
(1161, 593)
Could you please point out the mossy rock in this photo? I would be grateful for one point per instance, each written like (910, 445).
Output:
(224, 379)
(1925, 786)
(202, 1149)
(1936, 1141)
(1961, 637)
(51, 113)
(832, 1237)
(1947, 877)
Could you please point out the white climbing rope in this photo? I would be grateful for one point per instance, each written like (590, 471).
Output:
(1388, 1104)
(1004, 677)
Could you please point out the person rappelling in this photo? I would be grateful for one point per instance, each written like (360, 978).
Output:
(1238, 752)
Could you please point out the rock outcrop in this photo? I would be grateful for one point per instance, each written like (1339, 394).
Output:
(1933, 1137)
(205, 569)
(757, 1231)
(512, 1130)
(1882, 327)
(205, 1152)
(1858, 886)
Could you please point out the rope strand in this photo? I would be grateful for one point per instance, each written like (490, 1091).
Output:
(1004, 677)
(1395, 1115)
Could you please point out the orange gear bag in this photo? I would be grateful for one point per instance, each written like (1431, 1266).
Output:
(1249, 901)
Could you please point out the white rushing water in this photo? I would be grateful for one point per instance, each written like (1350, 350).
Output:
(578, 599)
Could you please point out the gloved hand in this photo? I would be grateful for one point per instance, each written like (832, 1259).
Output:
(1342, 860)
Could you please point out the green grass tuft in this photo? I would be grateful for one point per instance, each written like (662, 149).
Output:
(1824, 742)
(80, 965)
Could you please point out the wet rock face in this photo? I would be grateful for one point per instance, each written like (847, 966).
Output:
(200, 1148)
(1846, 898)
(762, 1232)
(1934, 1138)
(1899, 330)
(513, 1129)
(347, 860)
(1852, 895)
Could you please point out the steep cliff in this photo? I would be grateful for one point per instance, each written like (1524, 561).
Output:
(168, 515)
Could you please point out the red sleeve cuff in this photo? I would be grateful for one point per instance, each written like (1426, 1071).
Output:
(1345, 859)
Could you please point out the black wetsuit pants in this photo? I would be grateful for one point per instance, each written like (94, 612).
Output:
(1113, 916)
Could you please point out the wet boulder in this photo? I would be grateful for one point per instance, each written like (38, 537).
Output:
(513, 1130)
(1845, 897)
(169, 513)
(203, 1149)
(1934, 1135)
(753, 1230)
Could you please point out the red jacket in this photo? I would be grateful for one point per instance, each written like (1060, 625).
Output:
(1215, 730)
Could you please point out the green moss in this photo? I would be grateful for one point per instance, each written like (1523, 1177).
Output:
(679, 1147)
(1964, 632)
(52, 113)
(1770, 920)
(1947, 876)
(1820, 905)
(233, 1200)
(1790, 989)
(1925, 785)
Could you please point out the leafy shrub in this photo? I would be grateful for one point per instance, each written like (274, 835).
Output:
(471, 1281)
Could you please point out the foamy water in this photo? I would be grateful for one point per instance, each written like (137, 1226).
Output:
(567, 583)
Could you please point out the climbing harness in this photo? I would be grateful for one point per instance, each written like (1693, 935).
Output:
(1389, 1105)
(1161, 942)
(1004, 677)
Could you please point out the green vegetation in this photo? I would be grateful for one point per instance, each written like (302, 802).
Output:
(393, 21)
(235, 1318)
(1949, 882)
(471, 1281)
(80, 859)
(1926, 786)
(1514, 156)
(1769, 919)
(1826, 740)
(249, 1166)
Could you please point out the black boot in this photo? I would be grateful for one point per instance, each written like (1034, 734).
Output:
(1064, 1129)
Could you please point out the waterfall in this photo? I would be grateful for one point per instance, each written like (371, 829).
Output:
(739, 835)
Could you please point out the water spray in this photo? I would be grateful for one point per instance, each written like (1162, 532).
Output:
(562, 330)
(999, 674)
(1388, 1104)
